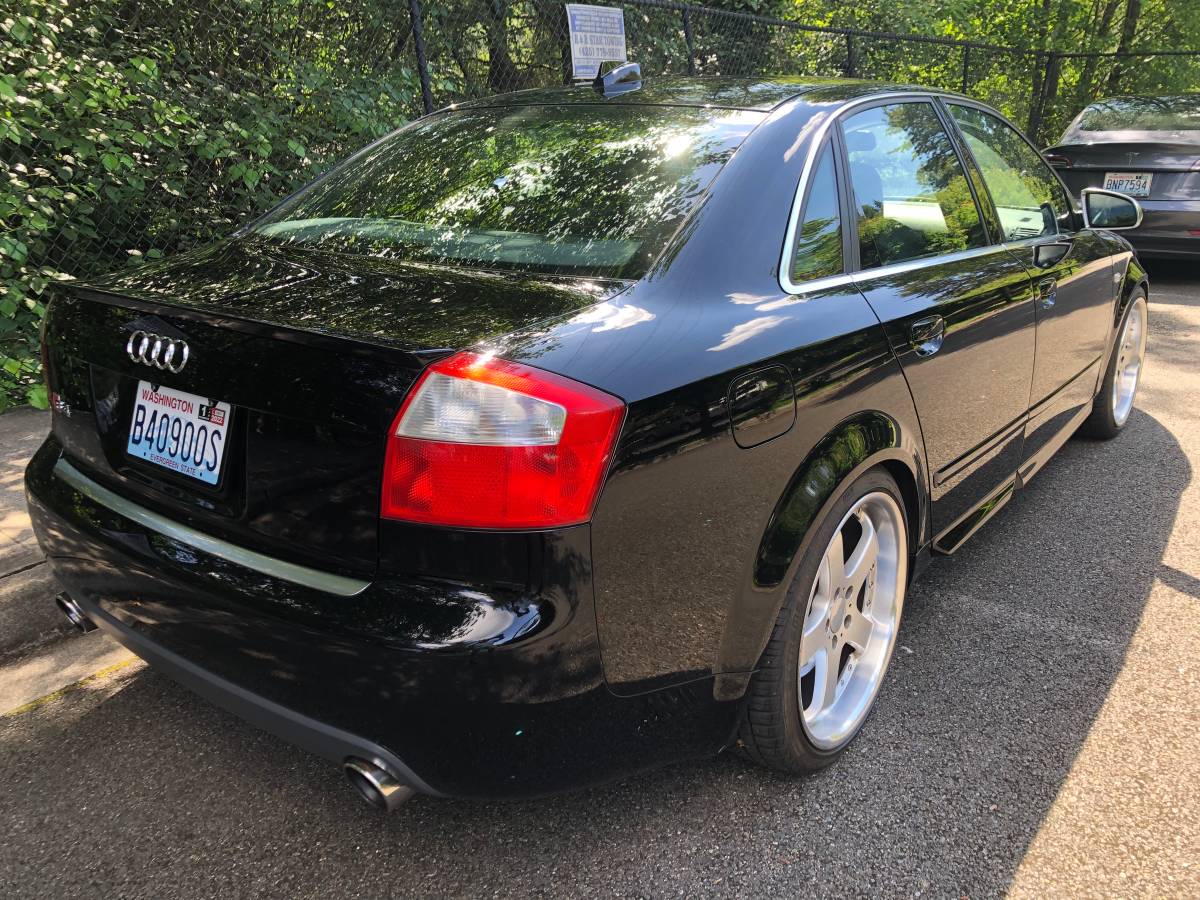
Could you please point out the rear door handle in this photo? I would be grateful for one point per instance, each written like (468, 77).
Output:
(1048, 291)
(927, 335)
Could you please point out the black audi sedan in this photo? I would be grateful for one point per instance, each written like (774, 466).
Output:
(1148, 148)
(563, 434)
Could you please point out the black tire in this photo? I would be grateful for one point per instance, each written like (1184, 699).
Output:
(772, 733)
(1102, 423)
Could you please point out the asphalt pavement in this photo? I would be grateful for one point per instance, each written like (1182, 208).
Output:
(1037, 735)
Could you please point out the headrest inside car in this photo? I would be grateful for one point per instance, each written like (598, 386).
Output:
(859, 141)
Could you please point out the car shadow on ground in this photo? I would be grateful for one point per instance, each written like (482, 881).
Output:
(1007, 653)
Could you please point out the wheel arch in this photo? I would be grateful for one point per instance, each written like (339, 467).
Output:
(1133, 280)
(856, 444)
(861, 442)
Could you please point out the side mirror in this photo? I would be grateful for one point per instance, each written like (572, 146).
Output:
(1110, 210)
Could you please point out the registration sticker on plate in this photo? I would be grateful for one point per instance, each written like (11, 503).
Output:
(179, 431)
(1135, 184)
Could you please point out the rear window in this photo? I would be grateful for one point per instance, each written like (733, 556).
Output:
(1180, 113)
(588, 189)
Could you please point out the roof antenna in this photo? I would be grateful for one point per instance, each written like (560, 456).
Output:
(617, 77)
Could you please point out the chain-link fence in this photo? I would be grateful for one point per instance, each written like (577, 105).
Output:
(130, 130)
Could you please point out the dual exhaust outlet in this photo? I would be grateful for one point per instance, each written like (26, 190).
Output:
(375, 784)
(74, 613)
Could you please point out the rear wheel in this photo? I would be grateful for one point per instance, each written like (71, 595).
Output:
(1114, 403)
(833, 640)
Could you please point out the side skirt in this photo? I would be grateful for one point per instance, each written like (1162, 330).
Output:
(956, 535)
(1034, 464)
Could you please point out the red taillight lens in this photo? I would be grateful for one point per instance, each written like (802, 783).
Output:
(1058, 160)
(486, 443)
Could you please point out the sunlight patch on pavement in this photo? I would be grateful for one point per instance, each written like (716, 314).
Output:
(15, 526)
(78, 685)
(74, 663)
(1126, 821)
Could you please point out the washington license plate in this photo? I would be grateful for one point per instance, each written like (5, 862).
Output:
(1135, 184)
(179, 431)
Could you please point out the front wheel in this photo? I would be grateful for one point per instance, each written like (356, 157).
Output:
(1114, 403)
(833, 640)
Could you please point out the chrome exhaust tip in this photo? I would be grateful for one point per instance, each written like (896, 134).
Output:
(377, 785)
(74, 613)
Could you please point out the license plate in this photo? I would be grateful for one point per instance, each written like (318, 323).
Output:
(1135, 184)
(179, 431)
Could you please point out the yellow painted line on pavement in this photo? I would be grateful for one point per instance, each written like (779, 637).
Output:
(63, 691)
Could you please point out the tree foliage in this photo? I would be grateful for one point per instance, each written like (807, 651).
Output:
(1061, 26)
(126, 134)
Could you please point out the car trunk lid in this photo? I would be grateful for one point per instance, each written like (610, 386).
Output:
(313, 354)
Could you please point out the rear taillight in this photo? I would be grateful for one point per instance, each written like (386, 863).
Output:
(483, 442)
(1058, 160)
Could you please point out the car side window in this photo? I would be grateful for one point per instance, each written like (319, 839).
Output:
(818, 248)
(911, 196)
(1029, 199)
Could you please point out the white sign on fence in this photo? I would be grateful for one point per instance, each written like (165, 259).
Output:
(597, 35)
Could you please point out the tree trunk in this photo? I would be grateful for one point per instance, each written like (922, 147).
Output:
(1053, 71)
(1133, 11)
(502, 73)
(1039, 73)
(1083, 91)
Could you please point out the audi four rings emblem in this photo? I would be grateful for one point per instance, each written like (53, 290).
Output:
(155, 350)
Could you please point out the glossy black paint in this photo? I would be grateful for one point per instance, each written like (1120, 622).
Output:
(499, 663)
(1075, 297)
(986, 303)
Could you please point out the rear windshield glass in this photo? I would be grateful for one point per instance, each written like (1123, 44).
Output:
(1181, 113)
(588, 189)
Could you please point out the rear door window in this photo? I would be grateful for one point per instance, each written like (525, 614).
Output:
(1029, 198)
(911, 196)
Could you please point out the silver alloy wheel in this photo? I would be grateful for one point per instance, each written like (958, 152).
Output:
(1130, 353)
(852, 615)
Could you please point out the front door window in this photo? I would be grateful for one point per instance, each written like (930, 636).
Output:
(1028, 197)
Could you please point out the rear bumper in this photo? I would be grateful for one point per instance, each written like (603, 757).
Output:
(483, 690)
(1166, 229)
(312, 735)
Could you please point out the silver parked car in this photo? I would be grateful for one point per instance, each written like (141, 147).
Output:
(1144, 147)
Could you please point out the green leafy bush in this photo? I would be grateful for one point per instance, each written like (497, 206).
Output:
(126, 134)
